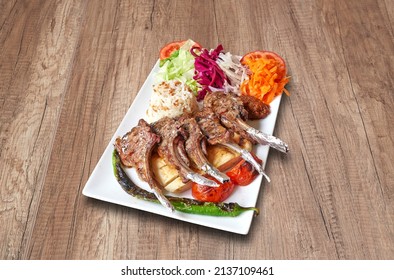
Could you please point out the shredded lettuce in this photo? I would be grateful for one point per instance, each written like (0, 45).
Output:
(203, 70)
(179, 66)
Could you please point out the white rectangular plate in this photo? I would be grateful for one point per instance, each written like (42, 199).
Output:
(102, 184)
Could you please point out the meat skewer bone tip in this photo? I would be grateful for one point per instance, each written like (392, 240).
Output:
(211, 170)
(263, 138)
(245, 154)
(163, 200)
(201, 180)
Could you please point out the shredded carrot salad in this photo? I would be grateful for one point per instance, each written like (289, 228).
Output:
(268, 76)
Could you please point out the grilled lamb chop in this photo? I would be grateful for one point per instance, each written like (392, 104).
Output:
(215, 133)
(135, 149)
(173, 137)
(211, 127)
(194, 149)
(232, 114)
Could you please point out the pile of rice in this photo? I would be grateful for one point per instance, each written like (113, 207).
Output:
(171, 99)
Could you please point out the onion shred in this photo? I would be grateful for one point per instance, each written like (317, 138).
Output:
(207, 72)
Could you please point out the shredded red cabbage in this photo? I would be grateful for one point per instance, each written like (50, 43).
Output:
(207, 71)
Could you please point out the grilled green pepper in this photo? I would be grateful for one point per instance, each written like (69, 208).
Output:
(181, 204)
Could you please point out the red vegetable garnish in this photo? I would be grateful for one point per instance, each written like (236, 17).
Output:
(212, 194)
(243, 173)
(208, 72)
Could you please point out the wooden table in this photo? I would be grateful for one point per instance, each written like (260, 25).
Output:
(71, 69)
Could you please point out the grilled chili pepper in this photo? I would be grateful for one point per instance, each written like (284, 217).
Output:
(181, 204)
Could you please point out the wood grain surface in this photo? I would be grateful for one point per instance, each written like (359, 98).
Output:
(69, 70)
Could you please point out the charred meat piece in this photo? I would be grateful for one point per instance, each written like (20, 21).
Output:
(215, 133)
(211, 127)
(256, 108)
(136, 146)
(228, 109)
(232, 114)
(194, 149)
(226, 104)
(181, 150)
(173, 137)
(135, 149)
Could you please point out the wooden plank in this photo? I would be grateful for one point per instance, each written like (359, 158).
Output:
(71, 70)
(341, 172)
(368, 48)
(36, 69)
(109, 69)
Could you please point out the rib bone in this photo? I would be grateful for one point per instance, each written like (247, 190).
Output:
(230, 109)
(246, 155)
(194, 149)
(215, 173)
(216, 134)
(263, 138)
(172, 134)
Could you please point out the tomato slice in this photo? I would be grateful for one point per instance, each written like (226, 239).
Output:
(168, 49)
(243, 173)
(256, 55)
(212, 194)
